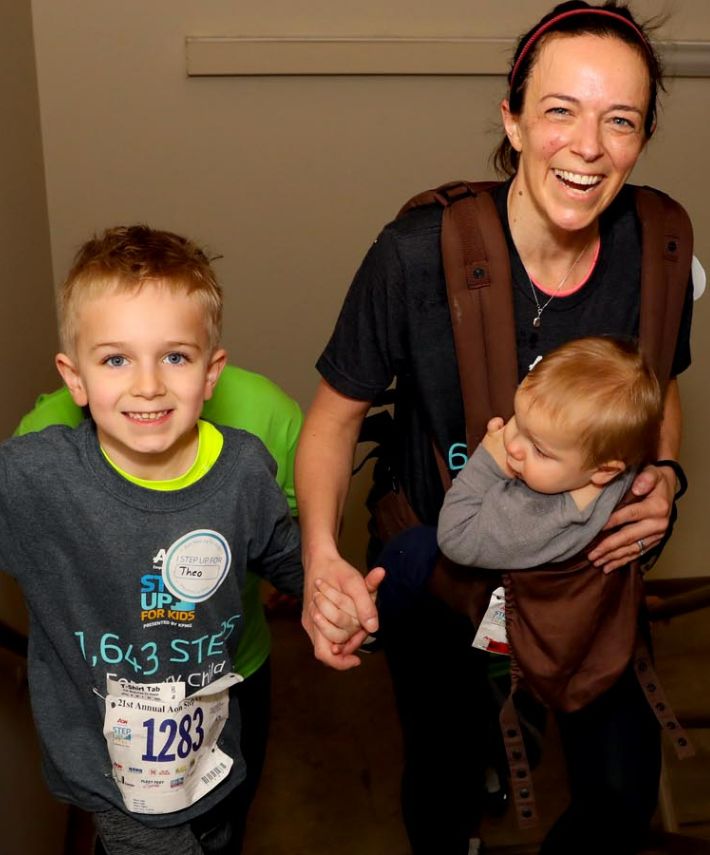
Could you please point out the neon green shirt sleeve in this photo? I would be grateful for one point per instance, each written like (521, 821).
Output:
(55, 408)
(250, 401)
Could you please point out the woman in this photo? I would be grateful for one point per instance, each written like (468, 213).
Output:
(581, 107)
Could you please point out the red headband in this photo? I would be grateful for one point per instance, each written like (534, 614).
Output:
(592, 10)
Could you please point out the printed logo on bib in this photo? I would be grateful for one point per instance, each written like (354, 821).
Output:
(196, 565)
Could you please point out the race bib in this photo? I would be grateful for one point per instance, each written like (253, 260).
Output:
(491, 634)
(163, 746)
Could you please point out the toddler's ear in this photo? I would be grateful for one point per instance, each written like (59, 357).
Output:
(606, 472)
(72, 378)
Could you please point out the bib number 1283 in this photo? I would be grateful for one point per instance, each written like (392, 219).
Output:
(188, 732)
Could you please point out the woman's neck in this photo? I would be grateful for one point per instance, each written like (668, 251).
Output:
(548, 253)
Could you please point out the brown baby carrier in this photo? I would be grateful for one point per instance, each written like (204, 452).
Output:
(572, 629)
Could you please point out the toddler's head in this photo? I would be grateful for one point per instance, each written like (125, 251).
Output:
(590, 409)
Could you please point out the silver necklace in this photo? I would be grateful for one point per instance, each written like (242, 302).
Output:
(540, 309)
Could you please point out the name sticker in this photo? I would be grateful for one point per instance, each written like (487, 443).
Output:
(196, 565)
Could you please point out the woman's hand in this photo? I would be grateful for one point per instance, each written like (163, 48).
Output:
(643, 523)
(335, 615)
(355, 605)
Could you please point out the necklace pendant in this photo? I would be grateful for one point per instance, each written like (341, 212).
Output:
(536, 322)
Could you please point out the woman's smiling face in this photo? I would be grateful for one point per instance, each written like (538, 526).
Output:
(580, 132)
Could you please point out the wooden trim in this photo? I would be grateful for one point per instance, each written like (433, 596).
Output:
(215, 56)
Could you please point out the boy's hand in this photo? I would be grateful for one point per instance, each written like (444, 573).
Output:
(494, 445)
(335, 616)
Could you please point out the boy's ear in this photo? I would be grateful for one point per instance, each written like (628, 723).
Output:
(606, 472)
(214, 368)
(72, 379)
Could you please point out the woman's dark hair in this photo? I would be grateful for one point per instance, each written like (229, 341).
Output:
(576, 18)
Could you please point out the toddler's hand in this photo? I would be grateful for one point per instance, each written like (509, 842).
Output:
(494, 444)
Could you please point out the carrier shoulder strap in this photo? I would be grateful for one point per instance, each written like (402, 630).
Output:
(667, 252)
(478, 283)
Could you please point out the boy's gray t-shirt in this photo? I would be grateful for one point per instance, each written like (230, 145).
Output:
(498, 523)
(89, 548)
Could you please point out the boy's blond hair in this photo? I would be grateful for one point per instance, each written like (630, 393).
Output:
(123, 258)
(603, 391)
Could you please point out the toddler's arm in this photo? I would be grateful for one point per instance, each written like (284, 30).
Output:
(491, 520)
(475, 520)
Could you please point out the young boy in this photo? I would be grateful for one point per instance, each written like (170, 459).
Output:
(241, 399)
(130, 536)
(539, 488)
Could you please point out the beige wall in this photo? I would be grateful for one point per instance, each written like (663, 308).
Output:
(27, 328)
(27, 319)
(290, 178)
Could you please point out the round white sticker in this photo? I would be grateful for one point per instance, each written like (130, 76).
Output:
(196, 565)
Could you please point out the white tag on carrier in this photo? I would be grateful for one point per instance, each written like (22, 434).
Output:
(163, 746)
(491, 635)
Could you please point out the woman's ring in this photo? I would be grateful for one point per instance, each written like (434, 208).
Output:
(641, 545)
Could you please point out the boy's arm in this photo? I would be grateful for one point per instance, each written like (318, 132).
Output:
(10, 497)
(280, 562)
(274, 551)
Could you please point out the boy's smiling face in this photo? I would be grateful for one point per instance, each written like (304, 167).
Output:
(143, 363)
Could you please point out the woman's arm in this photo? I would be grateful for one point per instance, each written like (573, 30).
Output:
(647, 519)
(323, 468)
